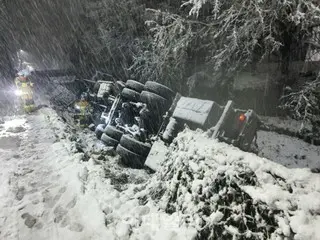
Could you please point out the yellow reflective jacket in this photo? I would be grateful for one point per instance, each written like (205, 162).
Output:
(24, 86)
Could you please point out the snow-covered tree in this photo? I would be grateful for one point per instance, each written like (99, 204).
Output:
(243, 31)
(225, 36)
(118, 27)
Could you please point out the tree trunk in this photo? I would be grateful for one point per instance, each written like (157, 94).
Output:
(286, 59)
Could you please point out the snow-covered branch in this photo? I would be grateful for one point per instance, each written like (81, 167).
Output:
(303, 104)
(246, 28)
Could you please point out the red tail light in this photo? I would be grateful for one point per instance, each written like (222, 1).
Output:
(242, 117)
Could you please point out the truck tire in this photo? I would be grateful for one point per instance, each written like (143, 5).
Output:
(160, 90)
(109, 141)
(129, 158)
(134, 145)
(155, 102)
(131, 95)
(113, 132)
(135, 85)
(99, 130)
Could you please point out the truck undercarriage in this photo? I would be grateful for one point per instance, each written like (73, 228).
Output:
(131, 116)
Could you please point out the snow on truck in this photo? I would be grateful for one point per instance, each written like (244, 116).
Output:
(145, 118)
(140, 120)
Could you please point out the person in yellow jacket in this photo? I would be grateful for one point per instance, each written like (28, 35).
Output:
(84, 111)
(25, 92)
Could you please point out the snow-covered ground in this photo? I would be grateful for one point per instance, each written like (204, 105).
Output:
(285, 123)
(288, 151)
(48, 192)
(41, 194)
(51, 190)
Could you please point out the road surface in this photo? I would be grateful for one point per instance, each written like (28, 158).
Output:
(41, 193)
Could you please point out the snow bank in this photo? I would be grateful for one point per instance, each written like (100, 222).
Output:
(126, 215)
(225, 193)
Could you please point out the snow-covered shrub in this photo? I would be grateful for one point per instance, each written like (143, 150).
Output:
(304, 104)
(207, 192)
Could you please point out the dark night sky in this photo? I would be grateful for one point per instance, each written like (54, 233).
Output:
(44, 29)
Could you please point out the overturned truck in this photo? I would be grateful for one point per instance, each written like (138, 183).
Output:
(145, 118)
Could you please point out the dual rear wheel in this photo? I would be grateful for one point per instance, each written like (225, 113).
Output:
(133, 153)
(158, 98)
